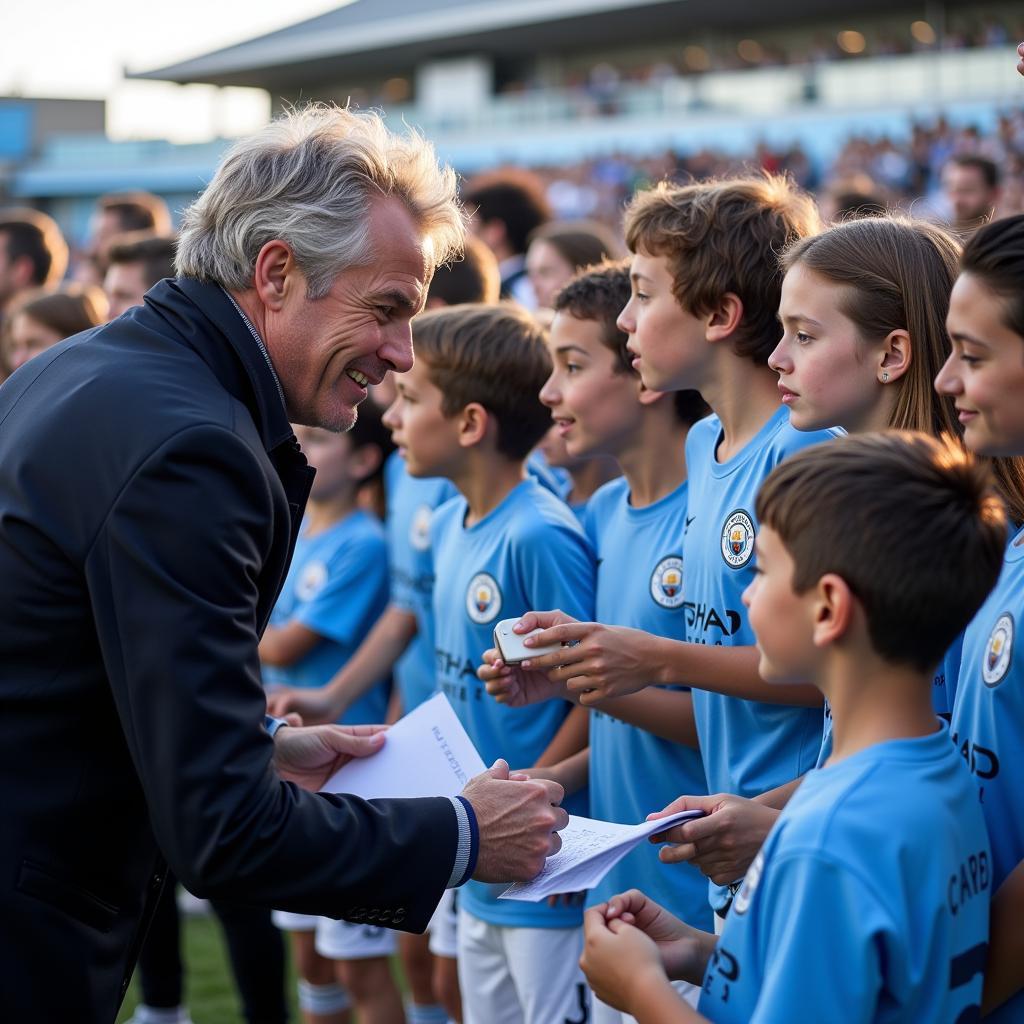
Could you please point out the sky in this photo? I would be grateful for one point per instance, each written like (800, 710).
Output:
(89, 43)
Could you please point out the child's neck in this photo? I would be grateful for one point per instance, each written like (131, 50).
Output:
(590, 474)
(322, 515)
(873, 701)
(486, 481)
(654, 464)
(744, 396)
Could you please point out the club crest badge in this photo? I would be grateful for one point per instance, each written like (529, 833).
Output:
(419, 528)
(998, 651)
(752, 879)
(483, 598)
(667, 582)
(311, 581)
(738, 539)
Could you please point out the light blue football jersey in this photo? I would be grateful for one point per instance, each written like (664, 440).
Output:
(633, 772)
(748, 747)
(411, 502)
(868, 902)
(987, 727)
(337, 586)
(529, 553)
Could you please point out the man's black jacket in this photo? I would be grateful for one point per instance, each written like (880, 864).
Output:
(150, 491)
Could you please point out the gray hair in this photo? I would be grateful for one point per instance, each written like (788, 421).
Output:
(307, 179)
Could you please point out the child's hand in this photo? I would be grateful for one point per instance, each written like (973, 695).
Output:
(511, 685)
(617, 958)
(723, 843)
(683, 951)
(313, 705)
(596, 662)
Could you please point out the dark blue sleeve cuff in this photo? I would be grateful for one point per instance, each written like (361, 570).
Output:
(473, 851)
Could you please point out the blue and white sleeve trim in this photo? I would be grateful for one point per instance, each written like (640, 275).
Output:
(469, 843)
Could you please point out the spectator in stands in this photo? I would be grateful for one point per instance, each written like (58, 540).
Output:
(474, 278)
(41, 319)
(971, 187)
(116, 213)
(852, 197)
(559, 249)
(33, 254)
(135, 262)
(507, 206)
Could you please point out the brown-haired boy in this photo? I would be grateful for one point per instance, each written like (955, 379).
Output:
(869, 899)
(468, 410)
(702, 316)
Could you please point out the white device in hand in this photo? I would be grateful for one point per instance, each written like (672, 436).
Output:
(510, 644)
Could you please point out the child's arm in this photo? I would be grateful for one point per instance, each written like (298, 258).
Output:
(1004, 976)
(383, 646)
(572, 774)
(667, 714)
(282, 646)
(572, 737)
(611, 661)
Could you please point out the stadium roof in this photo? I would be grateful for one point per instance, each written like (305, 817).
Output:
(372, 36)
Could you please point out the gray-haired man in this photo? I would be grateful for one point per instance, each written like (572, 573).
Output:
(150, 492)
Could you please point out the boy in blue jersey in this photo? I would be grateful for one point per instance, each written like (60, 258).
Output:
(702, 316)
(468, 411)
(335, 591)
(636, 525)
(985, 376)
(869, 899)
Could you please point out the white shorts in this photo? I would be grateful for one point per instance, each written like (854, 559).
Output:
(345, 940)
(520, 975)
(602, 1013)
(444, 927)
(289, 922)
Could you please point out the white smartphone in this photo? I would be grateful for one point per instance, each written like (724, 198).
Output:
(510, 644)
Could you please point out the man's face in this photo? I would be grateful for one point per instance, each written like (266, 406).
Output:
(125, 285)
(8, 284)
(969, 196)
(328, 351)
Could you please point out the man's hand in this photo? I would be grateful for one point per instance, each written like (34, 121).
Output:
(723, 843)
(600, 661)
(518, 819)
(313, 704)
(509, 684)
(310, 756)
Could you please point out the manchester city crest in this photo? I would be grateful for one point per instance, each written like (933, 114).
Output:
(419, 528)
(483, 598)
(667, 582)
(738, 539)
(998, 651)
(311, 581)
(752, 879)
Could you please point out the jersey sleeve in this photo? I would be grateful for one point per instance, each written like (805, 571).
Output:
(823, 942)
(354, 593)
(559, 570)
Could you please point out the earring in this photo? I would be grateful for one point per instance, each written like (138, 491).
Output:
(885, 377)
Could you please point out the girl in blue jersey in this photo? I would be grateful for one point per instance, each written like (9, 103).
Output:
(869, 899)
(985, 377)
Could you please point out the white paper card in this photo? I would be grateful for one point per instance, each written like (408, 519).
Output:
(427, 753)
(590, 849)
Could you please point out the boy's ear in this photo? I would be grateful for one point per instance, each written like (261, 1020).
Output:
(474, 422)
(275, 272)
(722, 322)
(833, 610)
(897, 353)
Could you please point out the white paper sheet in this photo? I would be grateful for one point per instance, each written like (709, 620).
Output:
(590, 848)
(427, 753)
